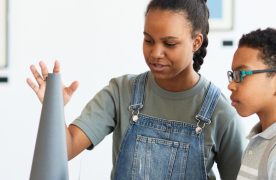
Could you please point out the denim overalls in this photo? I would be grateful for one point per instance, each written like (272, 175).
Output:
(160, 149)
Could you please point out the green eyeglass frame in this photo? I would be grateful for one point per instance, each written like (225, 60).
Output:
(238, 75)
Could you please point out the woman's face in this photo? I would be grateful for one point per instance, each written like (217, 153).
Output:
(168, 44)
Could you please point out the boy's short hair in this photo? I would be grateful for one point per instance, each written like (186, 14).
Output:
(265, 41)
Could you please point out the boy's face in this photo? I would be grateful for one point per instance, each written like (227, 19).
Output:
(256, 93)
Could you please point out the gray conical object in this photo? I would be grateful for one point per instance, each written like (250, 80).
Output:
(50, 161)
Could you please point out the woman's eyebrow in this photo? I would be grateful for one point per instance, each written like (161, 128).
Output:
(147, 34)
(164, 38)
(169, 37)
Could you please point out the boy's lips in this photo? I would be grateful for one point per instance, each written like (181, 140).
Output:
(234, 101)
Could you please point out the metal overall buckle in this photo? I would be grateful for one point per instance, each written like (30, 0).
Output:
(135, 114)
(198, 128)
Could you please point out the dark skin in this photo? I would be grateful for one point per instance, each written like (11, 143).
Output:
(257, 92)
(76, 139)
(168, 50)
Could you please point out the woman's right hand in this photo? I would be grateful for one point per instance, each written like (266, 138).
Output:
(41, 80)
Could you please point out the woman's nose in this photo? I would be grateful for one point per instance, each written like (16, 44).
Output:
(158, 52)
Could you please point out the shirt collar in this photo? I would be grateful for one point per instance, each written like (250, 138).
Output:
(269, 133)
(201, 85)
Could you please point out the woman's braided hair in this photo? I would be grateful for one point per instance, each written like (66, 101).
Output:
(195, 11)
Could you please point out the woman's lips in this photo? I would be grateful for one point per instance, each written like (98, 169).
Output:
(234, 101)
(157, 67)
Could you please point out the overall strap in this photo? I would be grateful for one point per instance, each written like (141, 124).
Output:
(138, 92)
(263, 173)
(209, 104)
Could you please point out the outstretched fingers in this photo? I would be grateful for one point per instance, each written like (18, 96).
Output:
(72, 88)
(44, 69)
(56, 67)
(37, 76)
(32, 85)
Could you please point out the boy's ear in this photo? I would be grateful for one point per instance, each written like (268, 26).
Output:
(274, 81)
(198, 40)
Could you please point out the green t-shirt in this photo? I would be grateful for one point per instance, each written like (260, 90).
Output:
(108, 112)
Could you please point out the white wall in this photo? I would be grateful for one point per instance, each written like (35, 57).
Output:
(94, 41)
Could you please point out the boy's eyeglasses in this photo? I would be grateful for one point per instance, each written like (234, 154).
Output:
(238, 75)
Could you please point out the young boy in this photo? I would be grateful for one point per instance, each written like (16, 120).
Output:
(253, 87)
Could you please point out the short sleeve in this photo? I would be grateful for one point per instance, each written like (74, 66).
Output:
(98, 118)
(272, 165)
(232, 146)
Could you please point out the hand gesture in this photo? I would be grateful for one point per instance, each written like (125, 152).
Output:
(40, 89)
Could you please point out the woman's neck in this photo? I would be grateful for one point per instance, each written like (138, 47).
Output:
(182, 82)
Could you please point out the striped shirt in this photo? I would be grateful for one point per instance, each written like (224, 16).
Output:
(253, 154)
